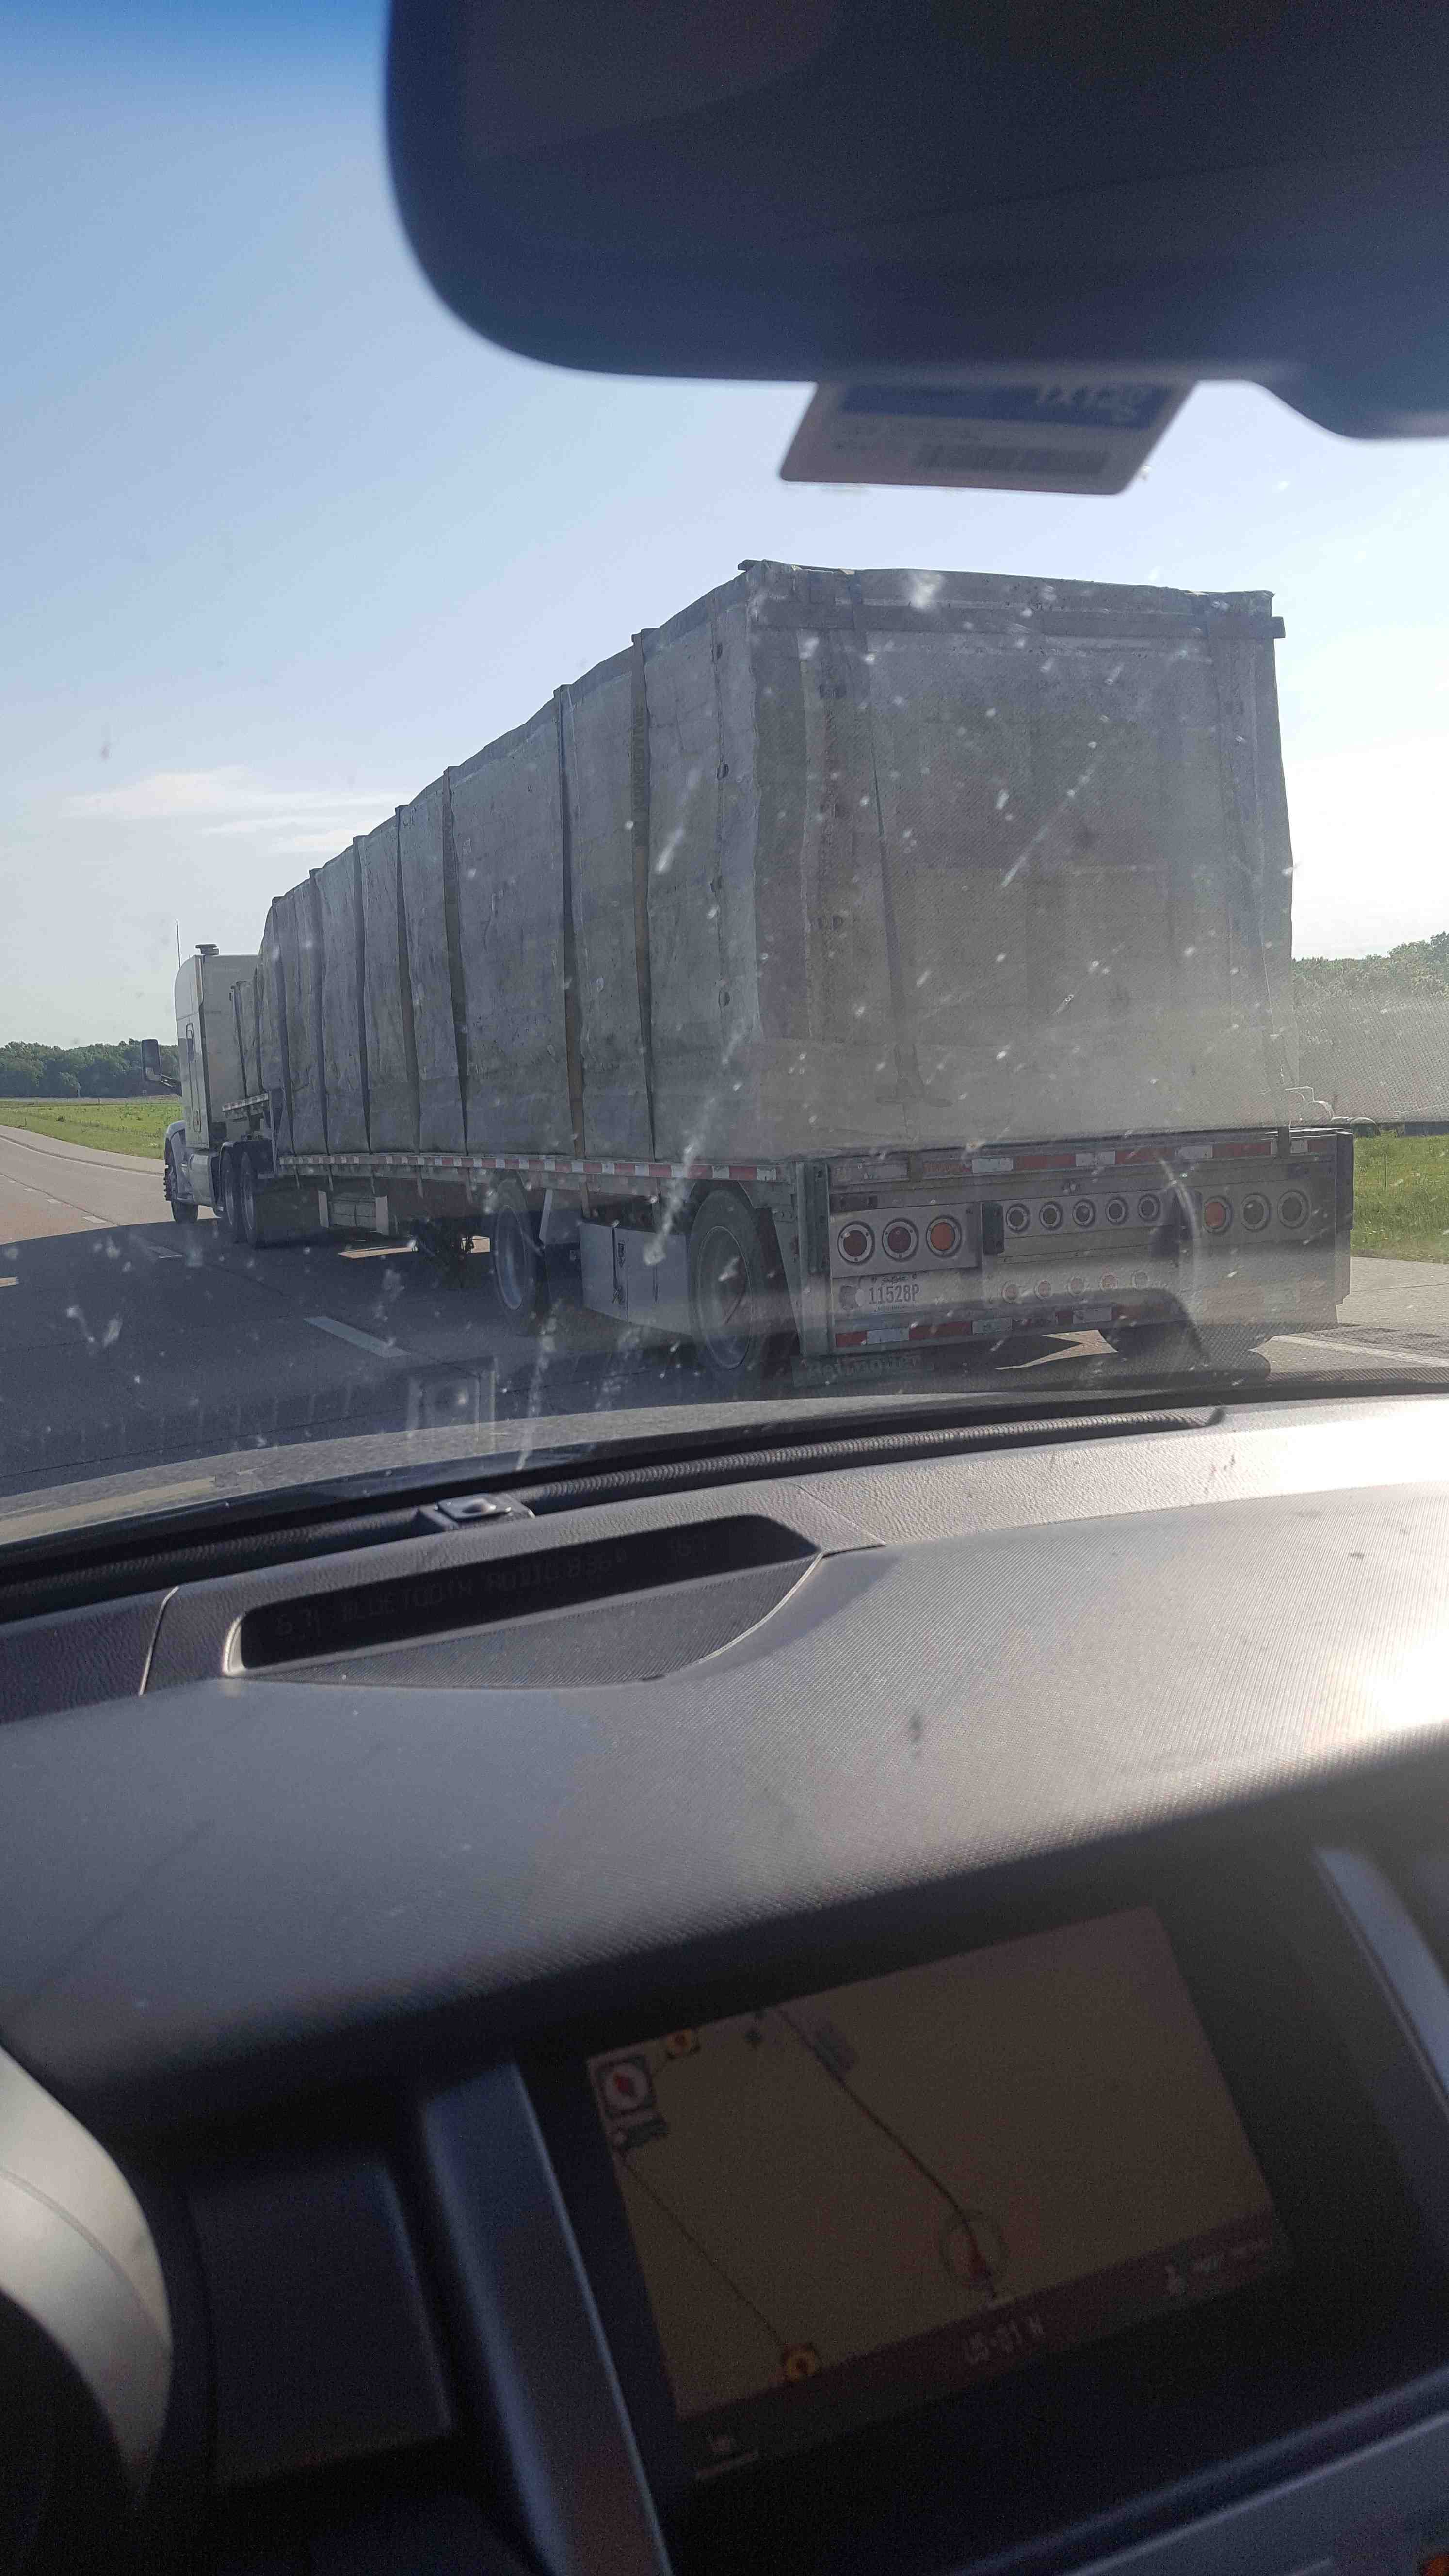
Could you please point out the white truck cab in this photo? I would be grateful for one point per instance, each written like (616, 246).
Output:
(210, 1063)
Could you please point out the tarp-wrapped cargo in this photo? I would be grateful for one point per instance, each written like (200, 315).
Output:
(428, 872)
(271, 979)
(605, 767)
(344, 1065)
(836, 859)
(302, 992)
(392, 1073)
(511, 913)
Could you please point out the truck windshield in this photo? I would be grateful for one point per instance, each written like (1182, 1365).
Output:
(527, 932)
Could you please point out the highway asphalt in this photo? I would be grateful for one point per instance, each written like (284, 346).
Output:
(130, 1344)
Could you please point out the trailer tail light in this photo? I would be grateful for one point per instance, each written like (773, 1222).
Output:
(1116, 1211)
(1049, 1215)
(855, 1243)
(1084, 1212)
(1256, 1211)
(1217, 1215)
(849, 1341)
(1149, 1208)
(1293, 1208)
(943, 1237)
(900, 1238)
(1018, 1217)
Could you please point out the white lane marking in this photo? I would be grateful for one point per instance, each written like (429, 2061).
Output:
(360, 1341)
(1362, 1350)
(9, 1283)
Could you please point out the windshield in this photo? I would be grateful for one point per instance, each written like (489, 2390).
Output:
(636, 947)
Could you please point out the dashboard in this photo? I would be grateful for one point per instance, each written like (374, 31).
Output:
(873, 2006)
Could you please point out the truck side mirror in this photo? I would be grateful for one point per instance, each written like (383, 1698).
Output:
(151, 1063)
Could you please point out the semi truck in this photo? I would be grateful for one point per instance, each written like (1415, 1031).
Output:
(861, 964)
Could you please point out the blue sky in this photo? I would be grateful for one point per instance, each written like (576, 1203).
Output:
(281, 538)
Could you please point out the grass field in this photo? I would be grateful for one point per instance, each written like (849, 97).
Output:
(1401, 1196)
(113, 1126)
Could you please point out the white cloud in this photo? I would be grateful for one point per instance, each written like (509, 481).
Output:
(233, 803)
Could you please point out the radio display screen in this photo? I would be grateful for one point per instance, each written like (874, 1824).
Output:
(864, 2199)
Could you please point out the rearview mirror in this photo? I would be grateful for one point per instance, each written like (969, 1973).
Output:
(689, 187)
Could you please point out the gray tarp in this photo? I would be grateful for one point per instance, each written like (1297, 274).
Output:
(510, 910)
(302, 985)
(276, 1079)
(428, 869)
(392, 1090)
(840, 859)
(928, 865)
(598, 763)
(343, 1061)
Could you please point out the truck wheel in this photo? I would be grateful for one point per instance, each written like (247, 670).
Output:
(516, 1260)
(231, 1193)
(249, 1223)
(735, 1303)
(183, 1211)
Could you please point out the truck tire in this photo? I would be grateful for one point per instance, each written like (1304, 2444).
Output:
(231, 1192)
(736, 1303)
(249, 1222)
(183, 1211)
(515, 1260)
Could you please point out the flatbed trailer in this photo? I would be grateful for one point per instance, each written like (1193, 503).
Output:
(1230, 1236)
(859, 963)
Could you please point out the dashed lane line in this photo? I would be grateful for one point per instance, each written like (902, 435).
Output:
(360, 1341)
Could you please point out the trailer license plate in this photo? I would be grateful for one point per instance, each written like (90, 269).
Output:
(890, 1292)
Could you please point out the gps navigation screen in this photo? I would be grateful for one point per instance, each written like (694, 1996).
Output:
(870, 2197)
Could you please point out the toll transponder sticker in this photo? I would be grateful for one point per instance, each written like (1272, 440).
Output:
(994, 432)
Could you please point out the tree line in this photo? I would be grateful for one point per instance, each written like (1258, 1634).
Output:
(33, 1072)
(1416, 966)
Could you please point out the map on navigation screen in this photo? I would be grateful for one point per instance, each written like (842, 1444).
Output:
(905, 2185)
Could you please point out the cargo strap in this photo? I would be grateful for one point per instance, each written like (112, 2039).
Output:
(573, 1054)
(909, 1085)
(639, 796)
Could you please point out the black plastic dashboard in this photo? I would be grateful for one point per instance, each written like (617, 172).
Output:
(323, 1884)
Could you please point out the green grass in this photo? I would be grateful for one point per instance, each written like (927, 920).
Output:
(112, 1126)
(1401, 1196)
